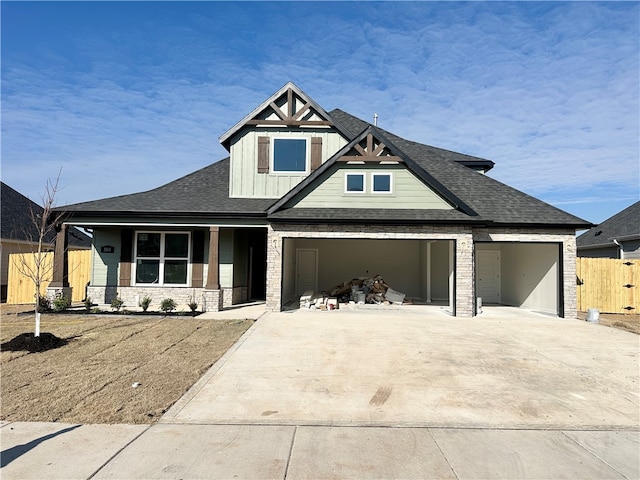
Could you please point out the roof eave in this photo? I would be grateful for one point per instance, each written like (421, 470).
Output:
(162, 214)
(567, 225)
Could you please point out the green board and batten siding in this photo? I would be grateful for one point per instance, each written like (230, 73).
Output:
(225, 252)
(104, 271)
(244, 179)
(408, 191)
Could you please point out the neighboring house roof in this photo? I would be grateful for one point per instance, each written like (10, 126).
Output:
(478, 198)
(624, 225)
(17, 224)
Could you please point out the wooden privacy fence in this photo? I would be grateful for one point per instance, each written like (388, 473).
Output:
(608, 284)
(20, 289)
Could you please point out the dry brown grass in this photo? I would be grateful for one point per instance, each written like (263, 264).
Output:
(89, 380)
(628, 322)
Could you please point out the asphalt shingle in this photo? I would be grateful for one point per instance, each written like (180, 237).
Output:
(206, 192)
(18, 225)
(623, 224)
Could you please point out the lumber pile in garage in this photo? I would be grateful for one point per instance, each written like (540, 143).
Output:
(373, 290)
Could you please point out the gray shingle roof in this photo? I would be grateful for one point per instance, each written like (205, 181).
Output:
(17, 224)
(203, 192)
(354, 126)
(371, 216)
(206, 193)
(622, 225)
(16, 215)
(493, 201)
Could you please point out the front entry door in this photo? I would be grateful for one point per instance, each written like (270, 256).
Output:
(306, 270)
(488, 276)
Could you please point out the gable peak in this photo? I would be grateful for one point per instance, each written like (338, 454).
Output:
(370, 146)
(289, 107)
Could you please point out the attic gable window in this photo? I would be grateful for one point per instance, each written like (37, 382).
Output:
(381, 183)
(289, 155)
(354, 183)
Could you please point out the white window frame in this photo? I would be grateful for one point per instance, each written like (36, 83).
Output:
(380, 174)
(353, 174)
(272, 157)
(161, 258)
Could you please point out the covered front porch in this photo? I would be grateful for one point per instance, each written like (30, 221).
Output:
(215, 266)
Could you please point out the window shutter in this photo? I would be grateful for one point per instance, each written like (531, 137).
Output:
(263, 154)
(126, 255)
(316, 152)
(197, 266)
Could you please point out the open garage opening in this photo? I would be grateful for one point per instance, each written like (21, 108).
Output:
(421, 269)
(526, 275)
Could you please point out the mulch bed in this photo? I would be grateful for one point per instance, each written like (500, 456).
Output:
(28, 342)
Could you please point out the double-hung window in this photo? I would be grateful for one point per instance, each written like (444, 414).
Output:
(162, 258)
(289, 155)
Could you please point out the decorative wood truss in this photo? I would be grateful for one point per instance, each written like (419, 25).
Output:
(290, 110)
(370, 149)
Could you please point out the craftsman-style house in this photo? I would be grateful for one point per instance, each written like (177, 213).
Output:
(308, 199)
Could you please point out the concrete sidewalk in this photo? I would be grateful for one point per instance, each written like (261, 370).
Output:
(172, 451)
(411, 393)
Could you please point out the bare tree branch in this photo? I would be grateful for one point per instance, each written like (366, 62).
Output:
(35, 263)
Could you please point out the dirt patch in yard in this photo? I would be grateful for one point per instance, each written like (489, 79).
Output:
(112, 369)
(628, 322)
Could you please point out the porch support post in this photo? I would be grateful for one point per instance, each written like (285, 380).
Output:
(213, 279)
(61, 259)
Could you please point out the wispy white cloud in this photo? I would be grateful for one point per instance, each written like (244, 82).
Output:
(549, 91)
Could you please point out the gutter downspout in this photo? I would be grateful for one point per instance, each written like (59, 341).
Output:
(620, 250)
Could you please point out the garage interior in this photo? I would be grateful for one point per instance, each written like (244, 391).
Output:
(421, 269)
(520, 274)
(515, 274)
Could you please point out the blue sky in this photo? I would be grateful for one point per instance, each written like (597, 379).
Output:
(127, 96)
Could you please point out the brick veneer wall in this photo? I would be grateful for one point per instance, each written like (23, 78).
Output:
(235, 295)
(208, 300)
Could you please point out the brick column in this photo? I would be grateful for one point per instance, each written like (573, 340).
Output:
(274, 270)
(465, 276)
(569, 288)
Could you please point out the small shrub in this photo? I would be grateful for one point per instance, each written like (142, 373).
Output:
(168, 305)
(96, 310)
(44, 304)
(116, 304)
(145, 302)
(87, 304)
(193, 305)
(60, 303)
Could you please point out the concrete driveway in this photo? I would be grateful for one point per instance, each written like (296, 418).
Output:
(506, 395)
(418, 366)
